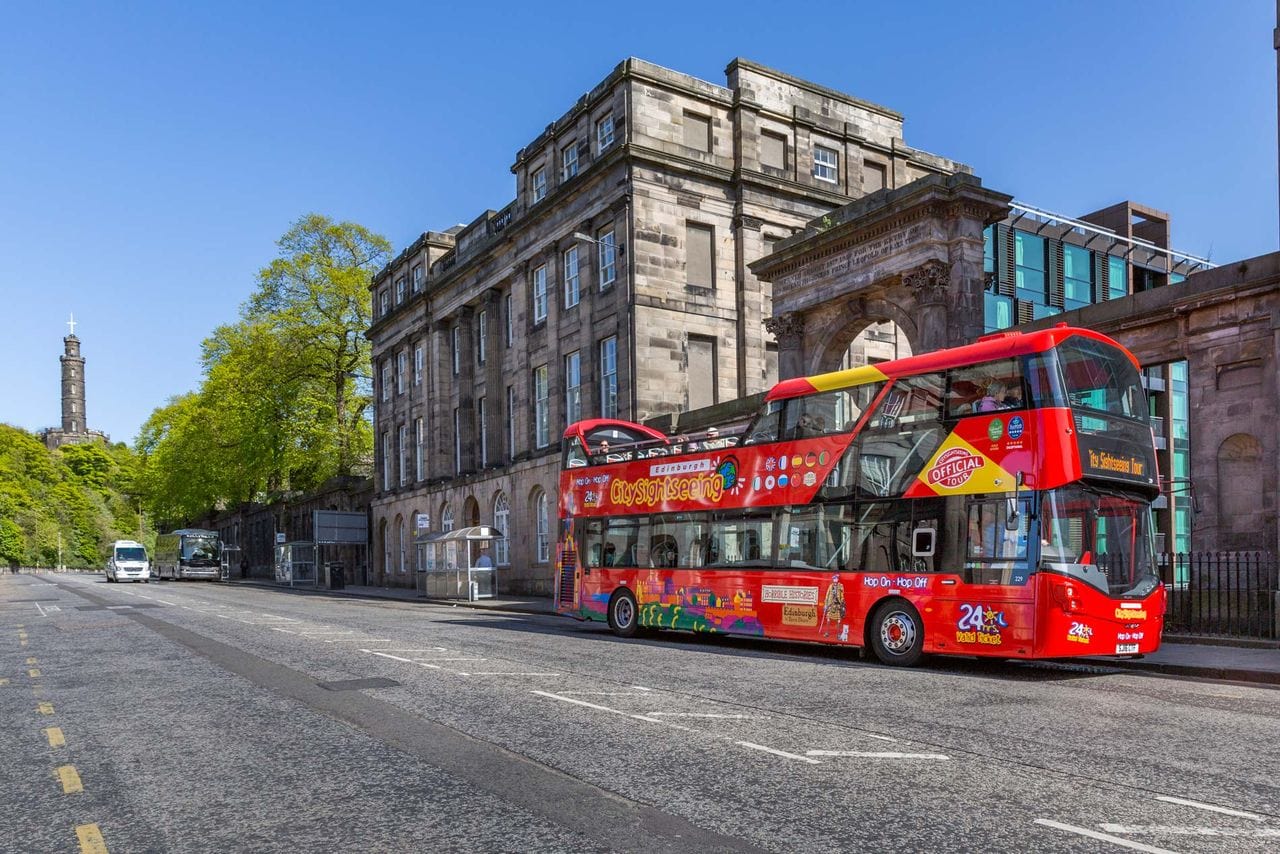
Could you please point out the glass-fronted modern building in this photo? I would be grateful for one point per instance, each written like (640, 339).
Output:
(1039, 264)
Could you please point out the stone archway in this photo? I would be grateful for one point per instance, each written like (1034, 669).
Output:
(911, 255)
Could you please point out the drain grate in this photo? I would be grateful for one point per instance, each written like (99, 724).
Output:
(358, 684)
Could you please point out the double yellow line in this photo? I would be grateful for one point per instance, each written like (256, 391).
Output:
(89, 835)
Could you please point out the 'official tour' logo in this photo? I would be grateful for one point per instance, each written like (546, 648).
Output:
(954, 468)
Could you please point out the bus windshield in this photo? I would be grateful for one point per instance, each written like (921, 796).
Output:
(1083, 525)
(200, 549)
(135, 553)
(1101, 378)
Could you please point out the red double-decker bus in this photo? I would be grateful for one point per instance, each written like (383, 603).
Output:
(991, 500)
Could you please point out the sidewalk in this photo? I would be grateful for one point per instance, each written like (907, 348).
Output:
(1179, 655)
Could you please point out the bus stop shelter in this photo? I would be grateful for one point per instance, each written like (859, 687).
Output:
(457, 564)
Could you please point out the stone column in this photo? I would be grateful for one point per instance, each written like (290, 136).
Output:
(929, 283)
(789, 330)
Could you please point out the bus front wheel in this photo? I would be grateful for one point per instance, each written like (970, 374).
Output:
(623, 614)
(897, 634)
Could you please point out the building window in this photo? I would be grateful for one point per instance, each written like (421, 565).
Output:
(698, 255)
(997, 312)
(420, 446)
(404, 454)
(542, 526)
(1118, 277)
(609, 377)
(482, 332)
(1029, 273)
(571, 294)
(1077, 276)
(697, 132)
(511, 422)
(417, 365)
(401, 543)
(455, 350)
(873, 177)
(539, 183)
(540, 294)
(773, 150)
(569, 161)
(604, 133)
(417, 278)
(511, 319)
(608, 258)
(400, 288)
(386, 380)
(384, 301)
(386, 459)
(572, 387)
(446, 518)
(457, 440)
(826, 164)
(702, 372)
(402, 371)
(483, 417)
(989, 251)
(541, 407)
(502, 521)
(386, 547)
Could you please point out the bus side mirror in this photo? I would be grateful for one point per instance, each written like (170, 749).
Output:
(1012, 522)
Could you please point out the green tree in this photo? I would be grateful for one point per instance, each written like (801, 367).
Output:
(316, 294)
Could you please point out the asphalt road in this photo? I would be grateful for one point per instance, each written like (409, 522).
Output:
(202, 717)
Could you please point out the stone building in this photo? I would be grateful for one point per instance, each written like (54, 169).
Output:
(75, 426)
(616, 283)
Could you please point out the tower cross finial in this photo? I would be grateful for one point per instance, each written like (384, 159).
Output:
(71, 323)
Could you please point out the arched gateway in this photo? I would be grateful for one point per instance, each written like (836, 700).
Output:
(911, 255)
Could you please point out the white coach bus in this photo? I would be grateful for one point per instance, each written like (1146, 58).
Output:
(188, 553)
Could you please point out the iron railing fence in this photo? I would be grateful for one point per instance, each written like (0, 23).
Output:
(1228, 594)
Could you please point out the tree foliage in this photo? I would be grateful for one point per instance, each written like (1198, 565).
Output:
(284, 399)
(78, 496)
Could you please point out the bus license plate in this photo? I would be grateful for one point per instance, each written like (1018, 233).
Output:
(1126, 648)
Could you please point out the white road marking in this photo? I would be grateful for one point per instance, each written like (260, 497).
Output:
(700, 715)
(428, 649)
(611, 711)
(1210, 807)
(286, 631)
(41, 610)
(383, 654)
(318, 632)
(605, 694)
(867, 754)
(1104, 837)
(358, 640)
(776, 752)
(505, 673)
(1160, 829)
(420, 660)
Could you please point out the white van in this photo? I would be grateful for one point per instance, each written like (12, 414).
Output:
(128, 562)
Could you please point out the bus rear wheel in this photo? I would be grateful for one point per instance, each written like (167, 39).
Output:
(897, 634)
(623, 614)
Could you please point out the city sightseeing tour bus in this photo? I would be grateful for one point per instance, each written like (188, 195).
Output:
(188, 553)
(990, 500)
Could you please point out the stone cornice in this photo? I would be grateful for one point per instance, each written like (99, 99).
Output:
(880, 213)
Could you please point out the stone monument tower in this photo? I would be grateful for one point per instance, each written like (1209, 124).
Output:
(73, 417)
(75, 425)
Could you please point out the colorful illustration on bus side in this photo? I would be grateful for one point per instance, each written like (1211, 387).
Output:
(833, 610)
(665, 605)
(980, 624)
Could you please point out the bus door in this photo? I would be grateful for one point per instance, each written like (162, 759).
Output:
(991, 610)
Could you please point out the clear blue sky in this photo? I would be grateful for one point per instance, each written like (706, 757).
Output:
(151, 153)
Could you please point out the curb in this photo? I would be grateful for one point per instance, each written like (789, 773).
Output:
(1223, 674)
(513, 608)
